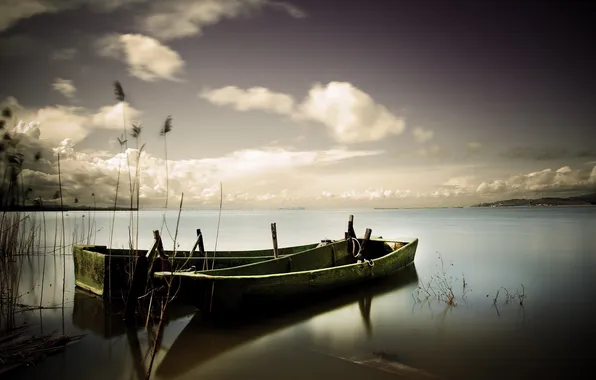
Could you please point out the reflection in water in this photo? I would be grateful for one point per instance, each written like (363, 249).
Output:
(364, 304)
(105, 320)
(136, 353)
(203, 339)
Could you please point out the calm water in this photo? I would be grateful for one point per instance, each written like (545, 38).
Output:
(551, 251)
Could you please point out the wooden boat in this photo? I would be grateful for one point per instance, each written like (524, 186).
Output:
(92, 264)
(315, 270)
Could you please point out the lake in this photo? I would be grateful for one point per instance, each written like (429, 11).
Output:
(548, 254)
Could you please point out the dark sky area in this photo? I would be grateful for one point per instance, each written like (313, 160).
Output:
(515, 78)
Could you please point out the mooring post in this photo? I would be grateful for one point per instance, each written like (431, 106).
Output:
(351, 231)
(139, 278)
(350, 234)
(274, 237)
(201, 245)
(202, 248)
(364, 246)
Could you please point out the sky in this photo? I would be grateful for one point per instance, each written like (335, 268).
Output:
(308, 103)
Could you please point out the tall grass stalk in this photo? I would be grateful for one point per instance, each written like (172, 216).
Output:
(45, 253)
(218, 223)
(121, 97)
(167, 128)
(113, 223)
(165, 302)
(63, 236)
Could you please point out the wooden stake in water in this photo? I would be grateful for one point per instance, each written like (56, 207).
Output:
(274, 237)
(365, 241)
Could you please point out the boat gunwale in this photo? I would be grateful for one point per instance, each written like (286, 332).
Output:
(201, 275)
(182, 254)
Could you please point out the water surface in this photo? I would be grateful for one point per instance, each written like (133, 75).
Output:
(550, 251)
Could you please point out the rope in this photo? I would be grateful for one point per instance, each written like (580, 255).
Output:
(354, 247)
(359, 255)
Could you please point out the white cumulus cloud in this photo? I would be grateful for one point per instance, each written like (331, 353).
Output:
(349, 114)
(255, 98)
(85, 173)
(59, 122)
(563, 179)
(183, 18)
(147, 58)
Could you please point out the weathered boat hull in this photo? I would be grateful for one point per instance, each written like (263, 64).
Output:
(316, 270)
(92, 264)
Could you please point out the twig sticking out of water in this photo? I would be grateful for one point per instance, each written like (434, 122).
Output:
(218, 222)
(439, 286)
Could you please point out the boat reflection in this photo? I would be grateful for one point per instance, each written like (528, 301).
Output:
(189, 350)
(106, 319)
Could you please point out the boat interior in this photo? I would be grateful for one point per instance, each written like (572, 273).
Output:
(329, 255)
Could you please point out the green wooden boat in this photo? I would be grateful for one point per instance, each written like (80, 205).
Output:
(92, 264)
(318, 269)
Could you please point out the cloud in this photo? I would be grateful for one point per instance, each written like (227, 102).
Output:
(111, 5)
(184, 18)
(432, 151)
(59, 122)
(463, 183)
(350, 114)
(545, 153)
(19, 45)
(147, 58)
(255, 98)
(110, 117)
(422, 135)
(64, 54)
(65, 87)
(546, 181)
(367, 194)
(86, 173)
(11, 11)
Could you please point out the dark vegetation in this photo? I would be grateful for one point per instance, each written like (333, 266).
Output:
(23, 234)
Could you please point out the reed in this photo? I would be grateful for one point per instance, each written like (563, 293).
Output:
(167, 128)
(168, 298)
(440, 286)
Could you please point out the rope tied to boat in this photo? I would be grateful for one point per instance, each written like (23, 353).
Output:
(358, 255)
(354, 253)
(369, 262)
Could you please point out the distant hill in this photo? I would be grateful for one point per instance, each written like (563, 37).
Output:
(581, 200)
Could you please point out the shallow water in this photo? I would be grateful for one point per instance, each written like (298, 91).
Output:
(551, 251)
